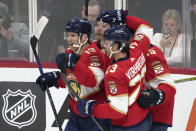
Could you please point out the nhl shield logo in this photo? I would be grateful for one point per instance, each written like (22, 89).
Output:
(19, 108)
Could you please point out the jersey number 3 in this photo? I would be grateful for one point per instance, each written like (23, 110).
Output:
(111, 68)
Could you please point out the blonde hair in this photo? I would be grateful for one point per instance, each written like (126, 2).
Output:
(172, 14)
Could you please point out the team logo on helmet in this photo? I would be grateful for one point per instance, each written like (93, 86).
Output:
(19, 108)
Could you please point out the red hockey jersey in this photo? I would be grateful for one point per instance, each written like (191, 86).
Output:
(158, 76)
(124, 82)
(89, 72)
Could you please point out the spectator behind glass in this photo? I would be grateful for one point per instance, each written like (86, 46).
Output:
(13, 36)
(170, 40)
(93, 11)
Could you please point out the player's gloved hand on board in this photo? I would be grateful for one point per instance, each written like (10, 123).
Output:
(150, 97)
(113, 17)
(48, 79)
(66, 60)
(85, 107)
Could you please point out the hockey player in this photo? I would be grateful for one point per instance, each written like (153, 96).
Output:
(88, 68)
(123, 82)
(161, 95)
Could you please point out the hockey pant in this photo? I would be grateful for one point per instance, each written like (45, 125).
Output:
(142, 126)
(78, 123)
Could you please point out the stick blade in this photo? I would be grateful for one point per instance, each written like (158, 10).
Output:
(40, 26)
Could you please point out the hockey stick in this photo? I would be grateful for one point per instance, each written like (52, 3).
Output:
(86, 9)
(185, 80)
(71, 91)
(33, 41)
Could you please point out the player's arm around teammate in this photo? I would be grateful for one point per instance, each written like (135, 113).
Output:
(122, 108)
(161, 95)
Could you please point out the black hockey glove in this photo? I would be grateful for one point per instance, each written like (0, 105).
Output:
(113, 17)
(61, 59)
(150, 97)
(73, 59)
(48, 79)
(85, 107)
(65, 60)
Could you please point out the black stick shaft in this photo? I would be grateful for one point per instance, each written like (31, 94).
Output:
(86, 9)
(33, 46)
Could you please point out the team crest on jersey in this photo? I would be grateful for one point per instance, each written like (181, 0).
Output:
(138, 37)
(19, 108)
(112, 87)
(158, 69)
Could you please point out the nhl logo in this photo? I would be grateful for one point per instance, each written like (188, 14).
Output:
(19, 108)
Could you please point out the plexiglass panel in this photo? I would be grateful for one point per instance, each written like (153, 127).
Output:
(14, 32)
(53, 39)
(169, 18)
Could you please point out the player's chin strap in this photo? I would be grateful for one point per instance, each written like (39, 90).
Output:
(113, 52)
(80, 44)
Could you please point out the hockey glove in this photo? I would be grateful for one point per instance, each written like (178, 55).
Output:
(85, 107)
(64, 60)
(113, 17)
(73, 59)
(150, 97)
(48, 79)
(61, 59)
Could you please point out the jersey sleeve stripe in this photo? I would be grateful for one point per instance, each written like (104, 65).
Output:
(145, 30)
(134, 95)
(166, 79)
(119, 103)
(98, 73)
(86, 91)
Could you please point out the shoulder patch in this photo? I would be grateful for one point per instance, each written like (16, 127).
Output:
(112, 87)
(158, 69)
